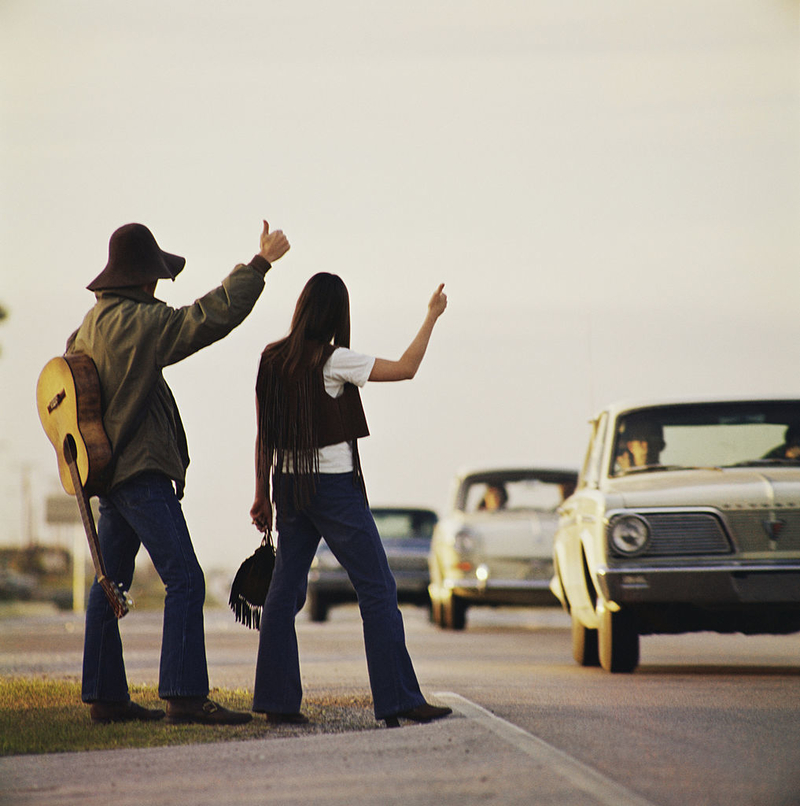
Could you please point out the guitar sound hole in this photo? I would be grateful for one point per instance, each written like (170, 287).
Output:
(70, 448)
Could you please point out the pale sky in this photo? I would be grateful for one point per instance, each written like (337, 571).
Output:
(610, 191)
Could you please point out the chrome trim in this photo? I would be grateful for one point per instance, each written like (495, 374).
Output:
(497, 584)
(661, 510)
(729, 568)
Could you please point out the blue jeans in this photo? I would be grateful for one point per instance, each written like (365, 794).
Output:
(145, 511)
(338, 513)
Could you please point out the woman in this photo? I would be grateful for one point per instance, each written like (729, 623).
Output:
(309, 418)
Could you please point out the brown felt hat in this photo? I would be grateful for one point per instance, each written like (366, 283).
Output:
(134, 259)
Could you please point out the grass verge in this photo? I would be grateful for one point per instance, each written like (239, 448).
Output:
(47, 716)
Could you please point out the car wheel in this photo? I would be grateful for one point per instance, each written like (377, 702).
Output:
(436, 611)
(584, 644)
(317, 607)
(454, 613)
(618, 641)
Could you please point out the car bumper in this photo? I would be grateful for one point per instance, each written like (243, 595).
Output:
(502, 591)
(337, 587)
(723, 584)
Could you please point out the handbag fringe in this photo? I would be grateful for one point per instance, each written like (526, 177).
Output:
(245, 613)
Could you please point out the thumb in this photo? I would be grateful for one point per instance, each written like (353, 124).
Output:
(266, 227)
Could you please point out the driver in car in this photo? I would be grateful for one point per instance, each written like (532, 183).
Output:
(639, 444)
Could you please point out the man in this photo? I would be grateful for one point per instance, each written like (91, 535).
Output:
(132, 336)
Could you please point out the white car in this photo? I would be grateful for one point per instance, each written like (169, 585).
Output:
(495, 545)
(686, 518)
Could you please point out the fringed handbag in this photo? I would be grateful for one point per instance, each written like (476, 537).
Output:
(251, 583)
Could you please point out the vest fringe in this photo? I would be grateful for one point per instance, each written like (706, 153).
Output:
(287, 430)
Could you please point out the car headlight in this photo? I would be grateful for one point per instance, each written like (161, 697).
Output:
(629, 534)
(465, 542)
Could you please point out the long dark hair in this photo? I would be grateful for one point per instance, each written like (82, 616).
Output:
(322, 315)
(288, 384)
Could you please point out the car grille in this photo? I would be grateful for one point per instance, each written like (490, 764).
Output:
(685, 533)
(750, 533)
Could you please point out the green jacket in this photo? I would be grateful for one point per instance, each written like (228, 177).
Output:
(131, 337)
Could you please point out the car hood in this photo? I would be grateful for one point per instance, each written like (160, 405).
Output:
(724, 488)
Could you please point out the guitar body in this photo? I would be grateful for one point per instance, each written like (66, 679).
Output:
(69, 403)
(70, 408)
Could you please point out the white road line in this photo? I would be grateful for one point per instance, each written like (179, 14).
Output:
(579, 776)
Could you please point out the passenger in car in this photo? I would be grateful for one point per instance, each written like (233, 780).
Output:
(495, 498)
(791, 445)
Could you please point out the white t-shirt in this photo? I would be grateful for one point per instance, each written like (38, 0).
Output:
(344, 366)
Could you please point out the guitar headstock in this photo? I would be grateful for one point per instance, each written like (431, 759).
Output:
(119, 600)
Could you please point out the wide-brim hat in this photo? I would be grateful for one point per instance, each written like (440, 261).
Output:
(134, 259)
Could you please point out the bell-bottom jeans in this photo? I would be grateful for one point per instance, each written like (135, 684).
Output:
(146, 511)
(338, 513)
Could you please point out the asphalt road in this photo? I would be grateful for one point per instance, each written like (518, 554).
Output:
(706, 719)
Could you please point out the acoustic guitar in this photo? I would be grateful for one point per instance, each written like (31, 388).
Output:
(69, 404)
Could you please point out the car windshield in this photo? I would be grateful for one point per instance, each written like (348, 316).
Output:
(498, 495)
(404, 525)
(707, 435)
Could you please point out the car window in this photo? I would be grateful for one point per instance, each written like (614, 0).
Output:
(404, 525)
(527, 494)
(708, 435)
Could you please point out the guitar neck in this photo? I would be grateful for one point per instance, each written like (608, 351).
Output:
(117, 599)
(87, 517)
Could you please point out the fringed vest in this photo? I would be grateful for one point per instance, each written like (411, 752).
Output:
(296, 417)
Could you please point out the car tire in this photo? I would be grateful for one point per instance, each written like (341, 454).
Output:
(433, 611)
(584, 644)
(618, 640)
(436, 611)
(454, 613)
(317, 607)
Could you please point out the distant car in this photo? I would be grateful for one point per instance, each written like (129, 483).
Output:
(406, 536)
(686, 518)
(16, 586)
(495, 545)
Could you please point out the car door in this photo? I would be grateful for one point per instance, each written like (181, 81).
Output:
(581, 515)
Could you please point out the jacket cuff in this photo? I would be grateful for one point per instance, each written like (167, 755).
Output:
(260, 264)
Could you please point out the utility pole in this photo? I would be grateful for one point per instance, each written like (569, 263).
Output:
(29, 535)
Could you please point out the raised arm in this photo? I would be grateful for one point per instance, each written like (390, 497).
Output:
(406, 368)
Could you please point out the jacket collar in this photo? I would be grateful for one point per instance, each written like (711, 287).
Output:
(134, 292)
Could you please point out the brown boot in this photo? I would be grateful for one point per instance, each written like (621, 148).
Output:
(276, 718)
(202, 711)
(103, 713)
(422, 713)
